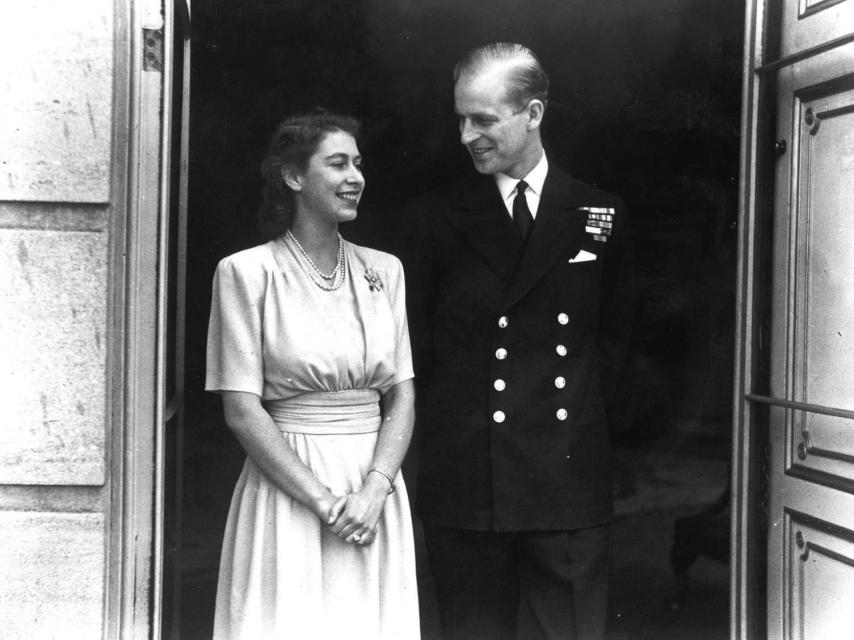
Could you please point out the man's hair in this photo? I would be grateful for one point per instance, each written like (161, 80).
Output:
(526, 78)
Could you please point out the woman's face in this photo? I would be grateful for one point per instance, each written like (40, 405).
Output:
(331, 185)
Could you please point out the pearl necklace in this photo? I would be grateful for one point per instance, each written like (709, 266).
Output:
(337, 275)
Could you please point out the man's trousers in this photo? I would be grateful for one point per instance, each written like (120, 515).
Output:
(531, 585)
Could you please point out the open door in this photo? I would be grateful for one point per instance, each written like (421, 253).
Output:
(794, 437)
(171, 311)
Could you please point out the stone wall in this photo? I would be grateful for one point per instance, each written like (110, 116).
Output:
(56, 144)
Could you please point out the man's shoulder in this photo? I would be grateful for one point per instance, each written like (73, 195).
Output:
(458, 191)
(581, 194)
(452, 198)
(595, 195)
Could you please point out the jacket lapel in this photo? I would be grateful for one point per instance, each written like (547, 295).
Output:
(483, 220)
(558, 224)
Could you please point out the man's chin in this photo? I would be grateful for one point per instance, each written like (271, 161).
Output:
(484, 167)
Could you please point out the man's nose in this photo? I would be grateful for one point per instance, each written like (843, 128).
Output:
(468, 133)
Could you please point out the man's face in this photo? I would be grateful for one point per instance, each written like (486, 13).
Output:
(497, 134)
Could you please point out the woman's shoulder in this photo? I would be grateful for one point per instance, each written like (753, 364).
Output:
(374, 258)
(257, 259)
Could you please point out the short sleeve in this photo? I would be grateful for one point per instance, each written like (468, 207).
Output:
(397, 299)
(234, 351)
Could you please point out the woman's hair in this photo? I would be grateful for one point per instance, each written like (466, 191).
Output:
(293, 143)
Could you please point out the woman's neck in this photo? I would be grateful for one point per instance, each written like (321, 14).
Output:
(320, 243)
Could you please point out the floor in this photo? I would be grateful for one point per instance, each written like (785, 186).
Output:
(642, 587)
(654, 486)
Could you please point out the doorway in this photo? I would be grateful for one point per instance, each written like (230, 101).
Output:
(644, 103)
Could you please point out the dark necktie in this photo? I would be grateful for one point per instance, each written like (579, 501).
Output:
(522, 217)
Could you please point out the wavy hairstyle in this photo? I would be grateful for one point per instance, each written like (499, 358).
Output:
(292, 144)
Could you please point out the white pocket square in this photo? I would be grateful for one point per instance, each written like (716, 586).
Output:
(583, 256)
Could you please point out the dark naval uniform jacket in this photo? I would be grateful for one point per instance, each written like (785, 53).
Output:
(511, 421)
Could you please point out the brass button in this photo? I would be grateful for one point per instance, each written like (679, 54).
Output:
(501, 353)
(561, 350)
(560, 382)
(502, 322)
(499, 385)
(562, 318)
(499, 417)
(561, 414)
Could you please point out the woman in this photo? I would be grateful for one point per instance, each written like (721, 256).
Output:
(309, 346)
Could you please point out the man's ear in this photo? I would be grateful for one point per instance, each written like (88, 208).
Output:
(292, 178)
(535, 110)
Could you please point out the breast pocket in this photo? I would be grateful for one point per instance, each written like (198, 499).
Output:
(579, 280)
(583, 261)
(583, 256)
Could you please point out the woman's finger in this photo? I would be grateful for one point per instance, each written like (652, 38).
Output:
(343, 524)
(336, 510)
(347, 530)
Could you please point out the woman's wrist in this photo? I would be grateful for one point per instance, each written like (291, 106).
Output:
(376, 484)
(322, 502)
(387, 477)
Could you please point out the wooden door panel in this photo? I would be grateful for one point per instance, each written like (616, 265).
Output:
(820, 561)
(824, 339)
(810, 23)
(811, 430)
(823, 245)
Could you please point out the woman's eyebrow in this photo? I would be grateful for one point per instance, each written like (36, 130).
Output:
(341, 156)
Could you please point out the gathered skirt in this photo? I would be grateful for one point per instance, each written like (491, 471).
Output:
(282, 573)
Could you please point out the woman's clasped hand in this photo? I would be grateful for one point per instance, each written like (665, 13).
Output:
(354, 517)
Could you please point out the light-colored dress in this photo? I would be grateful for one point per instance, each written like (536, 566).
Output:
(320, 361)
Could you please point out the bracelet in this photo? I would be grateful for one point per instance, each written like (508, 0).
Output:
(386, 476)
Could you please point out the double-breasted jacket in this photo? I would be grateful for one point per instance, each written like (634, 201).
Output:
(512, 430)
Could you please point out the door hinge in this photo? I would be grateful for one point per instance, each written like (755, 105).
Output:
(152, 50)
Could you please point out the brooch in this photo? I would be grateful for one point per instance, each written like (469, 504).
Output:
(374, 281)
(600, 221)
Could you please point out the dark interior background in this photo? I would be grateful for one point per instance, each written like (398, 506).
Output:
(645, 103)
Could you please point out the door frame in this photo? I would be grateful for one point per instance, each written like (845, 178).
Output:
(143, 152)
(749, 499)
(172, 243)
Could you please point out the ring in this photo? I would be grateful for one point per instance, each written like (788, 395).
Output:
(356, 537)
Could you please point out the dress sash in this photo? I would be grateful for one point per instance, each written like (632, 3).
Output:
(327, 412)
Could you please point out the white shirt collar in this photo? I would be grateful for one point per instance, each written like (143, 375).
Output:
(535, 179)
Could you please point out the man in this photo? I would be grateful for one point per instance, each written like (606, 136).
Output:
(514, 473)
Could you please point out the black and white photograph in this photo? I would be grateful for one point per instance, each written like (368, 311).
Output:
(427, 319)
